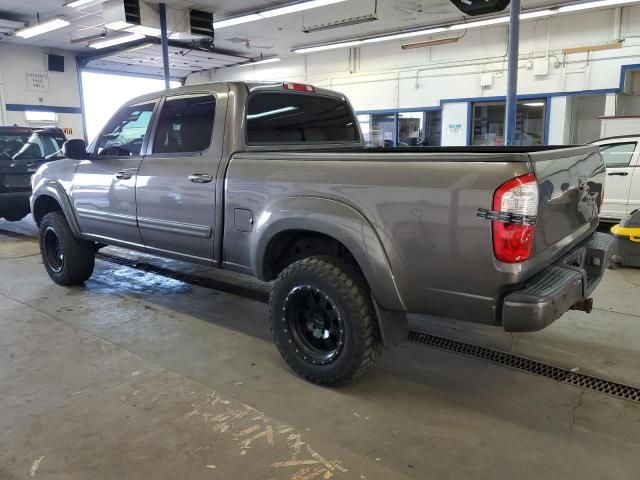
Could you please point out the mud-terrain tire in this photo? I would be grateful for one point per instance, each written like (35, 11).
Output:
(323, 320)
(67, 259)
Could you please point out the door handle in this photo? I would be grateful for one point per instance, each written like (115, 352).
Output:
(200, 178)
(124, 175)
(620, 174)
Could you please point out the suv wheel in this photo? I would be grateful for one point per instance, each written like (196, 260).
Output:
(67, 259)
(323, 322)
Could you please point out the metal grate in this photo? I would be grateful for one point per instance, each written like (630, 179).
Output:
(563, 375)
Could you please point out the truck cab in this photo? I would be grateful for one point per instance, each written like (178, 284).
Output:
(621, 155)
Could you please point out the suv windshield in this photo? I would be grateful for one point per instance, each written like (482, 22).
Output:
(299, 118)
(30, 145)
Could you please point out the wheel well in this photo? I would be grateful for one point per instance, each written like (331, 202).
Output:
(43, 205)
(293, 245)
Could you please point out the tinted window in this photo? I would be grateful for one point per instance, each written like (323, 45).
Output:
(186, 124)
(124, 134)
(298, 118)
(618, 154)
(28, 145)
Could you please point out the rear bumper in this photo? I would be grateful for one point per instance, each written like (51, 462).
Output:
(550, 293)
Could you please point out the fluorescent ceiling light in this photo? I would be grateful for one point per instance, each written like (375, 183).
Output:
(480, 23)
(43, 27)
(83, 3)
(143, 30)
(533, 104)
(38, 116)
(297, 7)
(537, 14)
(259, 62)
(598, 4)
(332, 46)
(110, 42)
(274, 12)
(396, 36)
(119, 25)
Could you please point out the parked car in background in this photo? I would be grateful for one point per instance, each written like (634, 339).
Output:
(273, 180)
(22, 151)
(621, 156)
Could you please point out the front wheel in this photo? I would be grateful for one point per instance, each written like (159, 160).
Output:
(67, 259)
(323, 322)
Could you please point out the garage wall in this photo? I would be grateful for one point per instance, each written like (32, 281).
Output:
(16, 94)
(384, 76)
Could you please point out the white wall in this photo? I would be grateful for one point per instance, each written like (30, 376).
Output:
(387, 77)
(63, 91)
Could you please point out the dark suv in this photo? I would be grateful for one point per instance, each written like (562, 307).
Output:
(22, 151)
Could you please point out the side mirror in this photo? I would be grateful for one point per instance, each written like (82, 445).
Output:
(75, 149)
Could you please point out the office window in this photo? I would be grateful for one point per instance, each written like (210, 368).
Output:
(411, 128)
(185, 125)
(124, 134)
(382, 125)
(488, 123)
(365, 127)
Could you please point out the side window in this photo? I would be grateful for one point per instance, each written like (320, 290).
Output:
(124, 134)
(185, 125)
(617, 154)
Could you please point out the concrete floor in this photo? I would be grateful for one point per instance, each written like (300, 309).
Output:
(136, 376)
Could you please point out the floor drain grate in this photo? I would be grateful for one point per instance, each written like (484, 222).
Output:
(563, 375)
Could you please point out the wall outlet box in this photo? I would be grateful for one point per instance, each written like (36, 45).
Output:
(541, 67)
(486, 80)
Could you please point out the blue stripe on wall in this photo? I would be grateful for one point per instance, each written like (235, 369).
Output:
(20, 107)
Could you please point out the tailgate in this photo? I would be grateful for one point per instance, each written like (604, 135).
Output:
(571, 187)
(15, 175)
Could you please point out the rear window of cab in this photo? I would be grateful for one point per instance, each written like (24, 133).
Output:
(299, 118)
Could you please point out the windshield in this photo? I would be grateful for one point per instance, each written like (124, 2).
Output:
(30, 145)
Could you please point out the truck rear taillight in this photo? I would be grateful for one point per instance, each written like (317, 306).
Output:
(513, 241)
(298, 87)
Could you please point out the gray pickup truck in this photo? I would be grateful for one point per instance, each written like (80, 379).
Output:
(273, 180)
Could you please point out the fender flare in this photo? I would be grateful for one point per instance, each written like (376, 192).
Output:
(57, 192)
(339, 221)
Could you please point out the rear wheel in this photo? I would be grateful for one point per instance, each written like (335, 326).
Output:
(323, 322)
(67, 259)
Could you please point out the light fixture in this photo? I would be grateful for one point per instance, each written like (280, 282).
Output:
(430, 43)
(119, 25)
(44, 27)
(260, 62)
(144, 30)
(597, 4)
(533, 104)
(547, 12)
(345, 22)
(110, 42)
(274, 12)
(480, 23)
(592, 48)
(83, 3)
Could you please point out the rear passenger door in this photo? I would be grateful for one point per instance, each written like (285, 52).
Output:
(175, 192)
(620, 158)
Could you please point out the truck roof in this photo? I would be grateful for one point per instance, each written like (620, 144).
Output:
(249, 87)
(614, 137)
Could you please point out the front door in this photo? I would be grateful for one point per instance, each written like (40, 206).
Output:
(620, 158)
(177, 179)
(104, 186)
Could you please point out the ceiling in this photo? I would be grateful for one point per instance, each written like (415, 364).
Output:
(268, 37)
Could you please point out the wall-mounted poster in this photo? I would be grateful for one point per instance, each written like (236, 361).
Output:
(37, 81)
